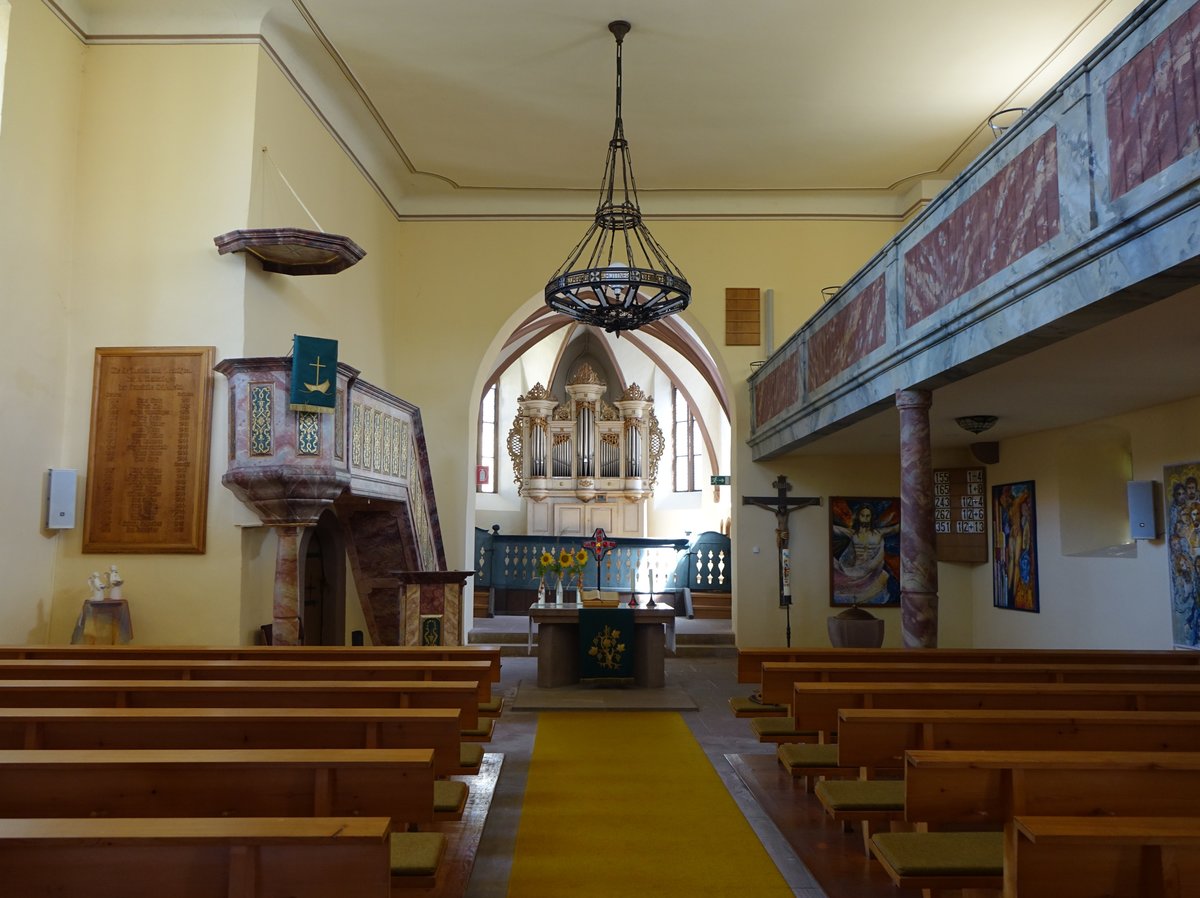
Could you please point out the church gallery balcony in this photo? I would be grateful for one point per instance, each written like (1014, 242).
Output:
(1087, 208)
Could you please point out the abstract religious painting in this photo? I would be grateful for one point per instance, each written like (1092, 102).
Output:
(864, 551)
(1183, 543)
(1014, 547)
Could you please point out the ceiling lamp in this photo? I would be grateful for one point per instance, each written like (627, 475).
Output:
(976, 423)
(618, 277)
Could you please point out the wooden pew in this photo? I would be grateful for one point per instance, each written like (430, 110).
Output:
(816, 705)
(778, 677)
(198, 857)
(878, 738)
(489, 653)
(478, 672)
(750, 660)
(242, 694)
(291, 782)
(1087, 857)
(872, 740)
(237, 728)
(986, 789)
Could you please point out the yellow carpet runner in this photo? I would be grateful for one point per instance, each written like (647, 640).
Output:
(621, 803)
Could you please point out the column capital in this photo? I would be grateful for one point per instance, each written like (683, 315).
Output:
(914, 398)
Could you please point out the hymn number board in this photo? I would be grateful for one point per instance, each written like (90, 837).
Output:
(960, 514)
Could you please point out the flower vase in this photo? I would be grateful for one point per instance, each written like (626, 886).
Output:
(541, 592)
(558, 592)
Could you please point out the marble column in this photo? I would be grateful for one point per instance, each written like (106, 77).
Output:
(918, 560)
(285, 624)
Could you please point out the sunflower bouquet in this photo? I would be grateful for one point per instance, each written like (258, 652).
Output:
(566, 564)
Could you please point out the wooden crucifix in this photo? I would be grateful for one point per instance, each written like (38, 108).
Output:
(782, 506)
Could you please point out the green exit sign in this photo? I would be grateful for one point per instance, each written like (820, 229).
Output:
(719, 480)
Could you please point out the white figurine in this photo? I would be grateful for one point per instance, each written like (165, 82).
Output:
(96, 582)
(114, 581)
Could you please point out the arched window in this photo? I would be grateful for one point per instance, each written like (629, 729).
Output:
(485, 473)
(685, 435)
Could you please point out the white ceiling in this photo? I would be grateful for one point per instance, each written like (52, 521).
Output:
(468, 107)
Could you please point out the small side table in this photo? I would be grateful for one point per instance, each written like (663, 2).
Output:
(103, 622)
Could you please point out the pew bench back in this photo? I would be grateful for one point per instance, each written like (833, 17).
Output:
(235, 728)
(1076, 857)
(395, 783)
(816, 705)
(982, 788)
(878, 738)
(196, 857)
(779, 677)
(461, 696)
(478, 672)
(313, 653)
(750, 660)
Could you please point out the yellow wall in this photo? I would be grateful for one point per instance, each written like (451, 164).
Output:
(460, 285)
(163, 142)
(1119, 602)
(759, 620)
(297, 166)
(37, 186)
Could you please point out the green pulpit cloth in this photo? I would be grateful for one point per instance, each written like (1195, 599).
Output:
(606, 645)
(314, 374)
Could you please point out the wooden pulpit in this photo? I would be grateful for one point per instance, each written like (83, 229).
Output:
(431, 606)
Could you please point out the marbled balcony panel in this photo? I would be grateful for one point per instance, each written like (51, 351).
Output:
(1007, 217)
(779, 390)
(851, 334)
(1151, 106)
(1087, 209)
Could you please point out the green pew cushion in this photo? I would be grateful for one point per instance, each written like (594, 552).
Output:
(942, 854)
(746, 705)
(481, 733)
(861, 795)
(449, 796)
(494, 706)
(777, 726)
(470, 754)
(794, 754)
(417, 854)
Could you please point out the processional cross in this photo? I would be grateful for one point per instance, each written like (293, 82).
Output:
(782, 506)
(600, 545)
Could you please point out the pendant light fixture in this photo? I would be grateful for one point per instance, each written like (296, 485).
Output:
(618, 277)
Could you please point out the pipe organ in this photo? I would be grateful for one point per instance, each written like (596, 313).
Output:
(585, 462)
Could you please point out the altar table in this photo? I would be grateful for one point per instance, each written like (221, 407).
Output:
(558, 643)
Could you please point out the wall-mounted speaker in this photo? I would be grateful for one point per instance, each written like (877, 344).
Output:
(1143, 515)
(60, 499)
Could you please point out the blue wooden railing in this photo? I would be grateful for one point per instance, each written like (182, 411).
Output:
(507, 563)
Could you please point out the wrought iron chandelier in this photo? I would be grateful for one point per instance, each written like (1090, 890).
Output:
(618, 277)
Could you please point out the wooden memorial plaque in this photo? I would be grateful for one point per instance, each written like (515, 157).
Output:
(147, 475)
(960, 514)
